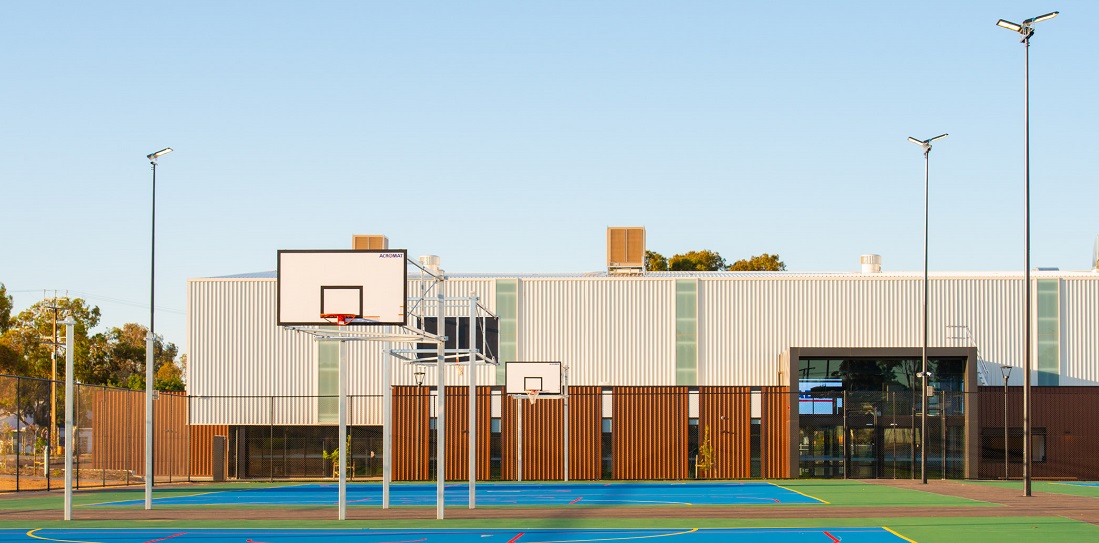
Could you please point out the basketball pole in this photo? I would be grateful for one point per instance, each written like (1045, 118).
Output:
(70, 444)
(387, 424)
(565, 374)
(440, 409)
(519, 442)
(343, 429)
(472, 402)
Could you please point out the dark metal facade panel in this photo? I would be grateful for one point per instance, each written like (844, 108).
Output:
(650, 432)
(725, 414)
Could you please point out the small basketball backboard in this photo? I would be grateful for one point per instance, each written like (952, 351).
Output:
(521, 377)
(371, 286)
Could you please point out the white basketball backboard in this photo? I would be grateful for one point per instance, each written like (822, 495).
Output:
(371, 285)
(545, 377)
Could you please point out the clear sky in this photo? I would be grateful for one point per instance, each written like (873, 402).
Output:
(506, 136)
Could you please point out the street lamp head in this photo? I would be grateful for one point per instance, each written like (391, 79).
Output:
(914, 140)
(1009, 25)
(153, 156)
(1040, 18)
(1006, 371)
(939, 137)
(419, 376)
(926, 144)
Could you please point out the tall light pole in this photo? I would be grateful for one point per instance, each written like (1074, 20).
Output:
(1026, 30)
(1006, 371)
(926, 146)
(150, 343)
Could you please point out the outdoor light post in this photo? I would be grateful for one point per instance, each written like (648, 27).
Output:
(150, 342)
(926, 146)
(1006, 370)
(1026, 31)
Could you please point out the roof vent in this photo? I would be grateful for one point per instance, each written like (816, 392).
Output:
(625, 249)
(431, 264)
(1095, 256)
(369, 242)
(870, 263)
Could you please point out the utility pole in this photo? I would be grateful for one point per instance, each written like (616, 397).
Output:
(54, 344)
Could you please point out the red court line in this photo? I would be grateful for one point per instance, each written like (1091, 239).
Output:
(165, 537)
(516, 538)
(576, 500)
(832, 537)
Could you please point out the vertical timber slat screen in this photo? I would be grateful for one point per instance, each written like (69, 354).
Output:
(650, 432)
(543, 447)
(202, 443)
(457, 437)
(585, 432)
(411, 436)
(727, 413)
(775, 433)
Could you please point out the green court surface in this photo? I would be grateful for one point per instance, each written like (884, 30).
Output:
(1071, 488)
(877, 501)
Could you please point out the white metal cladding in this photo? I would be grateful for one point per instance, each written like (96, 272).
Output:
(615, 331)
(621, 331)
(1079, 332)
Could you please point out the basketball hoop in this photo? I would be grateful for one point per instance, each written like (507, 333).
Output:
(532, 395)
(339, 319)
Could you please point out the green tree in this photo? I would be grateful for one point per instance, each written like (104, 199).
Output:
(22, 349)
(655, 261)
(703, 260)
(120, 360)
(763, 262)
(5, 309)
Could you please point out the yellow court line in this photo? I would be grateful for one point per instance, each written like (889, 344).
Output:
(886, 528)
(31, 534)
(154, 499)
(624, 538)
(803, 494)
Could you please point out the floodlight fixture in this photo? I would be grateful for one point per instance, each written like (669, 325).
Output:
(1009, 25)
(153, 156)
(1040, 18)
(926, 144)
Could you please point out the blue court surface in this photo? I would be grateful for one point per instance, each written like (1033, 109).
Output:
(690, 535)
(501, 494)
(1077, 483)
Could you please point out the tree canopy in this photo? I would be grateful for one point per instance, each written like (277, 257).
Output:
(763, 262)
(112, 358)
(706, 260)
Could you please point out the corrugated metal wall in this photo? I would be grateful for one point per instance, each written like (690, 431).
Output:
(411, 433)
(650, 433)
(457, 438)
(621, 331)
(726, 413)
(775, 433)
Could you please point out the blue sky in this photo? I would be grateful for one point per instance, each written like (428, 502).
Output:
(506, 136)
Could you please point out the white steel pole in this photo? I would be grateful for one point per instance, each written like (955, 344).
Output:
(387, 425)
(923, 349)
(519, 439)
(566, 387)
(440, 412)
(472, 402)
(70, 324)
(342, 447)
(150, 345)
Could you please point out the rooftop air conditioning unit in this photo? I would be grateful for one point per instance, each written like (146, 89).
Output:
(626, 249)
(369, 242)
(870, 263)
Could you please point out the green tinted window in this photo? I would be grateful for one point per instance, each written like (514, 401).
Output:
(686, 332)
(507, 307)
(328, 381)
(1049, 332)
